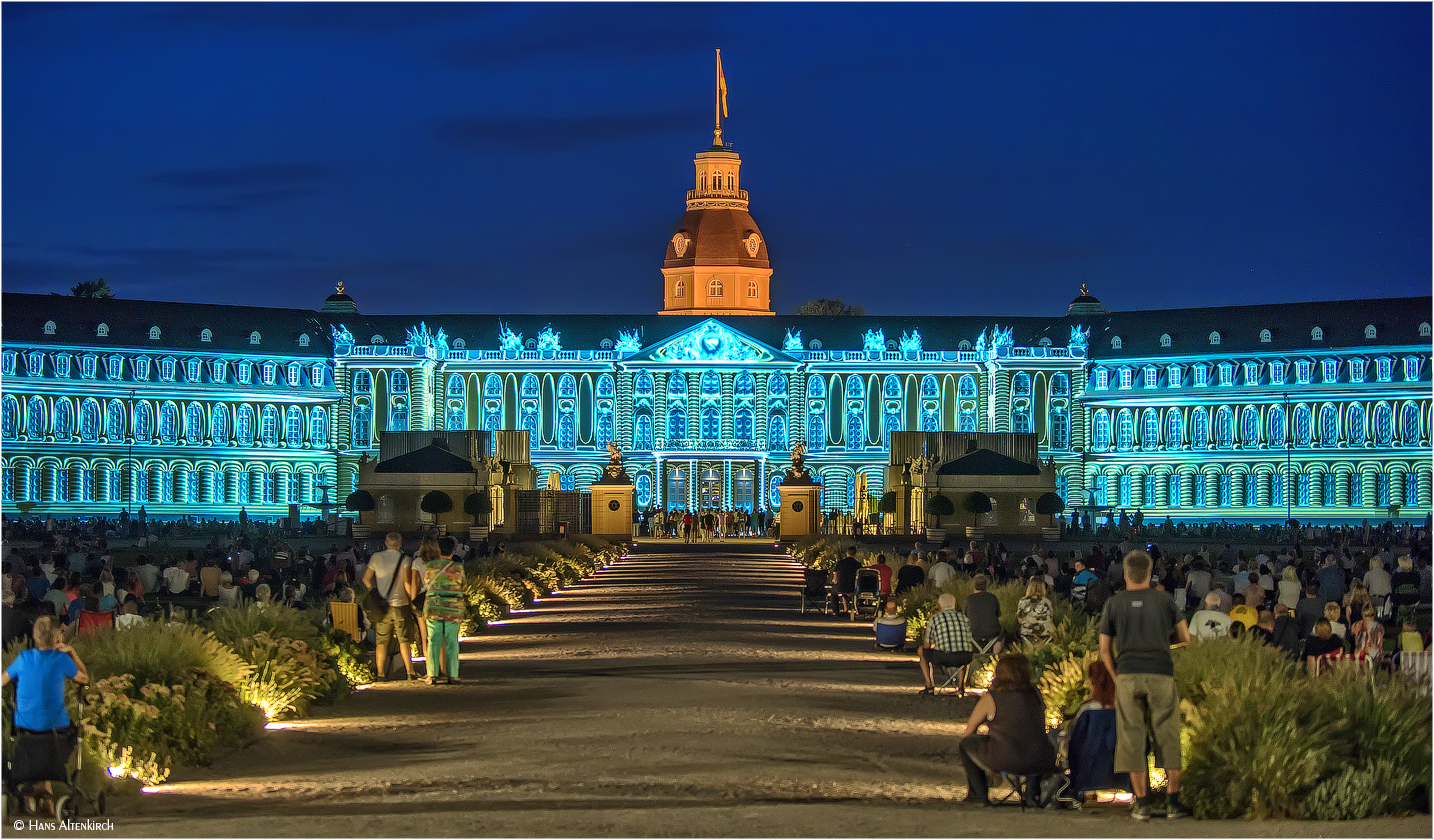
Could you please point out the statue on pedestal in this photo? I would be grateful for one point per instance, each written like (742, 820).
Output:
(615, 472)
(798, 473)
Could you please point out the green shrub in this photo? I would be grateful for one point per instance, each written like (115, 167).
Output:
(287, 674)
(160, 653)
(246, 620)
(1352, 795)
(1065, 686)
(349, 658)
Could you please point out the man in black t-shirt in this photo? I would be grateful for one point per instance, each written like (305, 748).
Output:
(846, 569)
(910, 575)
(1141, 621)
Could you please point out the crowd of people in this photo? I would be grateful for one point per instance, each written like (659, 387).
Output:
(702, 525)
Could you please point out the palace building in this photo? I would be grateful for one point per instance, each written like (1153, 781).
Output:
(1321, 410)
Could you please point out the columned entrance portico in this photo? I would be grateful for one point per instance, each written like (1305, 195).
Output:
(699, 481)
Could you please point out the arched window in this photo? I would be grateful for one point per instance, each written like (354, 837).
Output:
(318, 428)
(294, 427)
(206, 335)
(966, 410)
(398, 401)
(752, 289)
(89, 421)
(1328, 425)
(244, 425)
(1149, 429)
(35, 418)
(269, 426)
(363, 382)
(1021, 414)
(776, 433)
(711, 425)
(1116, 343)
(1371, 332)
(1165, 340)
(362, 432)
(103, 330)
(1275, 426)
(1317, 334)
(492, 402)
(676, 406)
(219, 425)
(930, 404)
(64, 419)
(643, 489)
(602, 433)
(1354, 425)
(456, 415)
(254, 337)
(714, 287)
(9, 418)
(1250, 429)
(1424, 329)
(49, 328)
(891, 416)
(642, 433)
(1409, 423)
(1174, 430)
(1199, 428)
(169, 423)
(816, 413)
(143, 423)
(194, 423)
(1302, 425)
(567, 405)
(777, 385)
(455, 385)
(303, 339)
(1124, 430)
(679, 289)
(1224, 427)
(1265, 336)
(1100, 430)
(855, 413)
(1382, 425)
(1215, 338)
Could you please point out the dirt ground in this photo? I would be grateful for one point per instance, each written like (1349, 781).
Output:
(668, 695)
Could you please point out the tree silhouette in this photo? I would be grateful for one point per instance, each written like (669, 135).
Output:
(96, 289)
(823, 306)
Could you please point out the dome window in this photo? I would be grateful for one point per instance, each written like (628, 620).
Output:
(1370, 331)
(679, 290)
(751, 288)
(1265, 336)
(303, 339)
(459, 344)
(891, 346)
(1165, 340)
(815, 344)
(531, 344)
(378, 339)
(1215, 337)
(964, 345)
(1317, 334)
(49, 328)
(1045, 342)
(1424, 329)
(103, 330)
(605, 344)
(206, 335)
(714, 288)
(1116, 343)
(154, 333)
(254, 337)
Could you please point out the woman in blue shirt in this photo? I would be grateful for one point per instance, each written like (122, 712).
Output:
(39, 674)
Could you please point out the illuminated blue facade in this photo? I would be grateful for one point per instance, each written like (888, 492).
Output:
(1232, 412)
(1321, 409)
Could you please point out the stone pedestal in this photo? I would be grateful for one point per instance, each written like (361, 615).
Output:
(613, 501)
(801, 510)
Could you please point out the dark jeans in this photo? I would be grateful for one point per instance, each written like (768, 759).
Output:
(977, 781)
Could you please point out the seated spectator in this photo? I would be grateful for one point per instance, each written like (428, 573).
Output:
(1404, 584)
(1410, 640)
(1035, 613)
(261, 594)
(176, 579)
(846, 569)
(1368, 634)
(1310, 610)
(1014, 715)
(984, 611)
(249, 590)
(890, 627)
(227, 592)
(940, 571)
(209, 577)
(1102, 696)
(128, 615)
(883, 571)
(1210, 622)
(92, 619)
(1378, 581)
(909, 576)
(1226, 602)
(1284, 632)
(1322, 641)
(948, 641)
(1331, 614)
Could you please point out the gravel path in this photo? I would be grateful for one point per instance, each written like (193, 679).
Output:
(668, 695)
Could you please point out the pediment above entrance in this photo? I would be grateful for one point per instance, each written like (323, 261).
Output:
(712, 342)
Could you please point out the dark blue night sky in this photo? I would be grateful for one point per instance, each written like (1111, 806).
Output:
(922, 159)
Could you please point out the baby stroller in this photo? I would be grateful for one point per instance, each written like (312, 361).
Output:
(814, 590)
(45, 757)
(868, 593)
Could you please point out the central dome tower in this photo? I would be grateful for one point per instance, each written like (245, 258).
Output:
(716, 261)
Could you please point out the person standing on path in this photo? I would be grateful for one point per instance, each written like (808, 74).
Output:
(1141, 621)
(386, 569)
(443, 608)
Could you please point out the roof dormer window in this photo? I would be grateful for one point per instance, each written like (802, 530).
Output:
(192, 370)
(294, 373)
(1102, 379)
(154, 333)
(1412, 365)
(267, 373)
(1173, 376)
(87, 366)
(1227, 373)
(1126, 377)
(1252, 373)
(1165, 340)
(1329, 370)
(1370, 331)
(103, 330)
(1424, 329)
(1356, 370)
(1317, 334)
(1116, 343)
(1277, 373)
(49, 328)
(1265, 336)
(206, 335)
(1202, 375)
(1303, 369)
(7, 362)
(1152, 376)
(1215, 338)
(1383, 369)
(303, 339)
(166, 369)
(34, 363)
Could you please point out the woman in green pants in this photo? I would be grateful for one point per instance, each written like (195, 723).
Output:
(443, 609)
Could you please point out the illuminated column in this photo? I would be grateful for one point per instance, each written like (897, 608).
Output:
(997, 385)
(1396, 488)
(623, 408)
(1079, 415)
(1237, 489)
(342, 419)
(726, 482)
(692, 484)
(797, 407)
(1369, 488)
(659, 407)
(1262, 489)
(694, 407)
(1424, 488)
(1341, 488)
(659, 475)
(759, 489)
(1162, 490)
(1187, 489)
(728, 380)
(760, 409)
(1137, 488)
(1317, 489)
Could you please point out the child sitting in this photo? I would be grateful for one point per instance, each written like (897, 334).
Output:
(1410, 641)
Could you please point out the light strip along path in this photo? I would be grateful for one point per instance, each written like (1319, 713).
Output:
(679, 691)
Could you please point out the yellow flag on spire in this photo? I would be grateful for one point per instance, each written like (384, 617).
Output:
(721, 85)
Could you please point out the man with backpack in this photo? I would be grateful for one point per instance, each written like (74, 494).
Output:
(386, 569)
